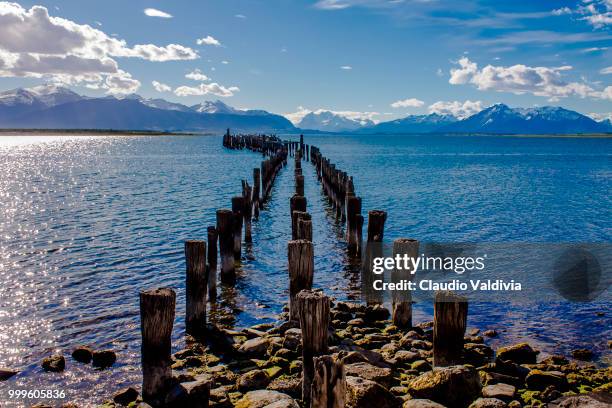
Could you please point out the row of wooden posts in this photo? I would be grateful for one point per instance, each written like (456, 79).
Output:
(323, 376)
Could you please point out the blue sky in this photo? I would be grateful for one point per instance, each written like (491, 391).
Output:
(366, 58)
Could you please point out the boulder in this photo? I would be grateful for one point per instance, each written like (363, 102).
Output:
(103, 358)
(490, 333)
(254, 347)
(488, 403)
(406, 357)
(82, 354)
(422, 403)
(521, 353)
(365, 393)
(253, 380)
(56, 363)
(382, 376)
(266, 399)
(125, 396)
(193, 394)
(454, 386)
(291, 385)
(582, 354)
(538, 380)
(6, 373)
(504, 392)
(376, 313)
(591, 400)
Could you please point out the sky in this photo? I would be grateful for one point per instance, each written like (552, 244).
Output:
(376, 59)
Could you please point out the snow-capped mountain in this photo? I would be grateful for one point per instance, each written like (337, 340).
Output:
(501, 118)
(55, 107)
(214, 107)
(412, 124)
(331, 122)
(46, 95)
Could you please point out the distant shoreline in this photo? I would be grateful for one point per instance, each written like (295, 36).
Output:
(93, 132)
(115, 132)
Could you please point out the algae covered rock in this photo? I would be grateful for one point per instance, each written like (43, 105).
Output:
(266, 399)
(382, 376)
(366, 393)
(488, 403)
(454, 386)
(538, 380)
(521, 353)
(252, 380)
(422, 403)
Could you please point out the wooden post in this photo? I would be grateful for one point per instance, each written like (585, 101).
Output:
(300, 255)
(156, 320)
(376, 225)
(225, 223)
(237, 204)
(314, 322)
(247, 210)
(256, 189)
(402, 300)
(195, 287)
(304, 227)
(296, 216)
(297, 203)
(299, 185)
(329, 383)
(450, 319)
(354, 223)
(212, 263)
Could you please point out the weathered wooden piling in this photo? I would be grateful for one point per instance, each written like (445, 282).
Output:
(304, 226)
(329, 383)
(402, 300)
(296, 216)
(212, 263)
(256, 188)
(237, 207)
(313, 309)
(450, 319)
(376, 225)
(299, 185)
(156, 320)
(354, 224)
(196, 285)
(225, 230)
(300, 255)
(297, 203)
(247, 210)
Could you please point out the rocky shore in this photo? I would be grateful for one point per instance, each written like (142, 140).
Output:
(261, 367)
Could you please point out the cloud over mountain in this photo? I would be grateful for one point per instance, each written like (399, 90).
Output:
(37, 45)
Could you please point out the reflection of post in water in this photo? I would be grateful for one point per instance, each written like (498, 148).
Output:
(374, 249)
(406, 249)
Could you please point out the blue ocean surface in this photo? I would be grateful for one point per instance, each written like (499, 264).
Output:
(87, 222)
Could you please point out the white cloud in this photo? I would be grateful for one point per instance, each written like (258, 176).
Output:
(151, 12)
(34, 44)
(362, 117)
(205, 89)
(121, 83)
(197, 75)
(225, 62)
(346, 67)
(520, 79)
(208, 40)
(561, 11)
(161, 87)
(241, 16)
(595, 49)
(598, 13)
(607, 70)
(456, 108)
(600, 116)
(408, 103)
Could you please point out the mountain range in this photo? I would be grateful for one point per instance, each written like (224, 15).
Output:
(55, 107)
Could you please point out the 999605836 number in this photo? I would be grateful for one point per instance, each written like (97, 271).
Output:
(36, 394)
